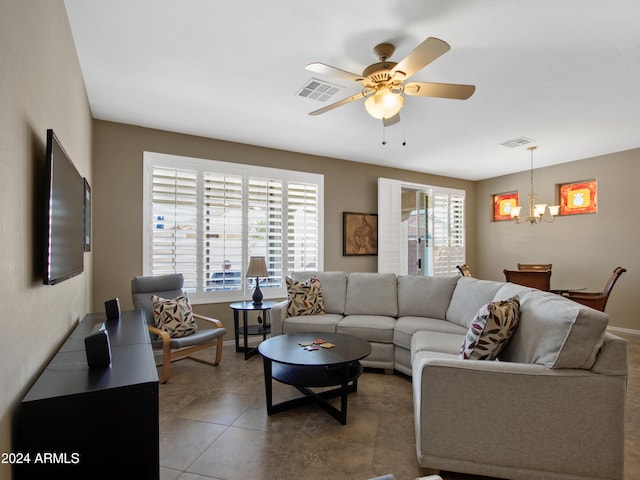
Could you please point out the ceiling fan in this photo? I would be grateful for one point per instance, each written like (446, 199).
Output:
(383, 82)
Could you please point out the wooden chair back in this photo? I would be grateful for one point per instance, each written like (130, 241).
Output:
(597, 300)
(613, 279)
(534, 266)
(540, 279)
(464, 270)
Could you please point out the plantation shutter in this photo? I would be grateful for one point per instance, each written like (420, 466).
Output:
(174, 230)
(205, 218)
(302, 227)
(264, 226)
(391, 249)
(448, 233)
(457, 236)
(223, 224)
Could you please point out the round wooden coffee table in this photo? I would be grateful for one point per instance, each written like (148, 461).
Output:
(287, 360)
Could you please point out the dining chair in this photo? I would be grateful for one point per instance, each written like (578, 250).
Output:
(597, 300)
(464, 270)
(174, 348)
(540, 279)
(534, 266)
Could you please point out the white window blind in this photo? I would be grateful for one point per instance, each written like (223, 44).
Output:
(302, 221)
(205, 219)
(175, 211)
(445, 231)
(391, 234)
(448, 233)
(222, 227)
(265, 226)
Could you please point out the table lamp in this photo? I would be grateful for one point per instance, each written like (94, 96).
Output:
(257, 268)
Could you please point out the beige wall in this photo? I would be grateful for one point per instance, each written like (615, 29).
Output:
(584, 249)
(117, 197)
(41, 87)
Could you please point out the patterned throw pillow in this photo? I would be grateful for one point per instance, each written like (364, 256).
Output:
(174, 316)
(305, 298)
(491, 329)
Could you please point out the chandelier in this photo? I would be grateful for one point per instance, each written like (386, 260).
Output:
(536, 210)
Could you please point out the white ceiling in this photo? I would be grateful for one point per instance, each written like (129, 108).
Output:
(564, 73)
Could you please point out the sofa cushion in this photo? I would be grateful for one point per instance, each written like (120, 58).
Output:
(491, 329)
(407, 326)
(305, 298)
(334, 288)
(425, 296)
(174, 315)
(311, 323)
(554, 331)
(372, 294)
(437, 342)
(470, 294)
(374, 328)
(381, 356)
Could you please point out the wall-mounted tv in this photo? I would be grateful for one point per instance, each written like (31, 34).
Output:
(64, 215)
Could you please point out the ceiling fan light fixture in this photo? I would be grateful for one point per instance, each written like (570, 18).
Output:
(383, 85)
(384, 104)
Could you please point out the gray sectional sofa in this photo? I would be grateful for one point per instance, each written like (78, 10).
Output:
(552, 405)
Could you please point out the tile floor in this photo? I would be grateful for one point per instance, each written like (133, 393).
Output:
(213, 425)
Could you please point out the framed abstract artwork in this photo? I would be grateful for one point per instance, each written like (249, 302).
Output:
(578, 197)
(360, 233)
(503, 203)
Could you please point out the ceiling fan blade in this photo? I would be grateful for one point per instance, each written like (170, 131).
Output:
(325, 69)
(387, 122)
(344, 101)
(442, 90)
(421, 56)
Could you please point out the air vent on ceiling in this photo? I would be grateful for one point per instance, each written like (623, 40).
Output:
(319, 90)
(517, 142)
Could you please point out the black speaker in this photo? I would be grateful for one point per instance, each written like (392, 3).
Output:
(97, 347)
(112, 307)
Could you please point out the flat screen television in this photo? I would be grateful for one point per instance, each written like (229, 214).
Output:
(64, 215)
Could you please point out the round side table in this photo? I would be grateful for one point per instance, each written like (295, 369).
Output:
(245, 330)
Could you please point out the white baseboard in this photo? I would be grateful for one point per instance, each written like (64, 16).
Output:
(624, 330)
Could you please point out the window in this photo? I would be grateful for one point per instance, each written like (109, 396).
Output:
(205, 218)
(448, 232)
(420, 228)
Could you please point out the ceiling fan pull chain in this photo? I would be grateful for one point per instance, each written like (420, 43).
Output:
(384, 139)
(404, 135)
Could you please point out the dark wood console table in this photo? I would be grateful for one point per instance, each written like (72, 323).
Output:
(78, 422)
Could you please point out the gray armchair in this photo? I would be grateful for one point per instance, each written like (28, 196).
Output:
(170, 286)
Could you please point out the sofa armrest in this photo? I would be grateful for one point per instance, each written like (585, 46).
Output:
(613, 356)
(526, 417)
(277, 316)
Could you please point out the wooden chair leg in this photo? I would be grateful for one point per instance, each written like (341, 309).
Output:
(166, 362)
(216, 361)
(169, 357)
(218, 351)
